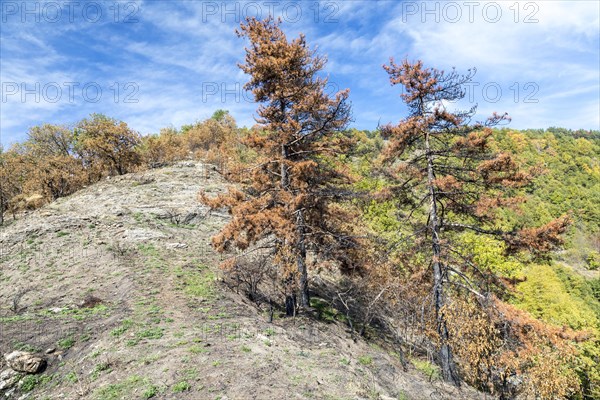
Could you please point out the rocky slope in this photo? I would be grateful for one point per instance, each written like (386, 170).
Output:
(117, 288)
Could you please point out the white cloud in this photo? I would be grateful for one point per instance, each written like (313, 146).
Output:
(178, 48)
(552, 44)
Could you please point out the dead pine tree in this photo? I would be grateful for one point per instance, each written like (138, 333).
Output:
(288, 195)
(447, 178)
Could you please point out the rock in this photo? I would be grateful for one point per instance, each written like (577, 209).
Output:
(261, 337)
(56, 310)
(50, 350)
(25, 362)
(143, 234)
(177, 245)
(9, 378)
(90, 301)
(189, 218)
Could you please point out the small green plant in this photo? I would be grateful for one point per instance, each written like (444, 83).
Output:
(181, 387)
(125, 325)
(220, 315)
(324, 310)
(196, 281)
(150, 392)
(61, 234)
(66, 343)
(105, 366)
(431, 370)
(593, 261)
(151, 333)
(190, 374)
(26, 347)
(149, 359)
(85, 337)
(269, 332)
(30, 382)
(402, 396)
(197, 349)
(138, 216)
(246, 349)
(365, 360)
(344, 361)
(71, 377)
(120, 390)
(96, 353)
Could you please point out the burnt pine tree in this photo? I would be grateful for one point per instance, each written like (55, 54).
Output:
(288, 199)
(449, 179)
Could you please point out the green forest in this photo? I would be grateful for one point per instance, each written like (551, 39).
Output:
(471, 241)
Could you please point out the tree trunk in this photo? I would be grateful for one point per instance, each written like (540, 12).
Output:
(300, 246)
(3, 204)
(301, 261)
(290, 298)
(290, 304)
(445, 352)
(1, 208)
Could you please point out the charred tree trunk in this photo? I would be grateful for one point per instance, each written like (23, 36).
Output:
(2, 208)
(3, 203)
(301, 261)
(291, 300)
(290, 296)
(445, 352)
(290, 304)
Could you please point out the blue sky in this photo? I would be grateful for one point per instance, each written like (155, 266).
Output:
(155, 63)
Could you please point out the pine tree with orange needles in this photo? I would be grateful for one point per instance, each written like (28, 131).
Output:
(289, 197)
(449, 178)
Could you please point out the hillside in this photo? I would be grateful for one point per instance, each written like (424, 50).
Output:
(117, 286)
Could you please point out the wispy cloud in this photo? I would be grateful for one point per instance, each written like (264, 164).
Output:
(162, 63)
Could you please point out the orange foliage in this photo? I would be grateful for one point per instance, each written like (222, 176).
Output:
(542, 239)
(449, 174)
(505, 351)
(288, 190)
(107, 145)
